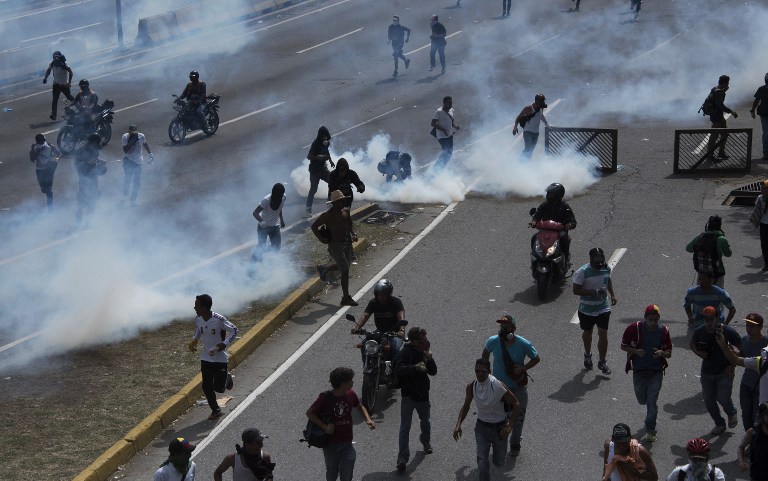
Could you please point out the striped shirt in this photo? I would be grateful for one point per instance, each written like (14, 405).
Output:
(697, 299)
(592, 279)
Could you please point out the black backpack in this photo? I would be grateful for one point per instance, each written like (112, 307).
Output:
(314, 434)
(708, 107)
(683, 473)
(705, 258)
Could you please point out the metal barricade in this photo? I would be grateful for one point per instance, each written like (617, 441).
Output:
(698, 150)
(601, 144)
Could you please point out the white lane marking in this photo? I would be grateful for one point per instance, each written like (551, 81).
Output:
(116, 111)
(429, 45)
(19, 341)
(617, 254)
(232, 416)
(54, 243)
(704, 142)
(535, 46)
(59, 33)
(361, 124)
(200, 132)
(329, 41)
(656, 47)
(44, 11)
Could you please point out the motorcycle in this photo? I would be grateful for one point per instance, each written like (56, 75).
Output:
(187, 118)
(377, 369)
(79, 126)
(548, 262)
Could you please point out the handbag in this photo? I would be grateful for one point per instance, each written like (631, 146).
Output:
(313, 434)
(509, 367)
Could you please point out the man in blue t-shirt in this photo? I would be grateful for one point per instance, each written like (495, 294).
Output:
(716, 369)
(707, 294)
(518, 349)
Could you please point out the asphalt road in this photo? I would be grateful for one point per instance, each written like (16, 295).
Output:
(643, 78)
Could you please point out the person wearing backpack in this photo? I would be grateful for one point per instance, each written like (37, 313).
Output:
(715, 105)
(708, 249)
(699, 468)
(756, 439)
(759, 218)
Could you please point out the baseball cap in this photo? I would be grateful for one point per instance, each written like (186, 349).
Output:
(507, 319)
(132, 128)
(621, 433)
(652, 309)
(180, 445)
(252, 435)
(754, 319)
(709, 311)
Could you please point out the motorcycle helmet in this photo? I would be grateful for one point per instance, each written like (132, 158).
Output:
(384, 286)
(555, 192)
(94, 138)
(193, 75)
(84, 83)
(698, 447)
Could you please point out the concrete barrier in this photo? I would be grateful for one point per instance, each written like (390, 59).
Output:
(189, 19)
(157, 29)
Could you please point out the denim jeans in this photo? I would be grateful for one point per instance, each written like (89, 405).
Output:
(764, 124)
(446, 145)
(521, 393)
(272, 232)
(530, 139)
(132, 172)
(717, 390)
(438, 47)
(748, 399)
(407, 405)
(647, 387)
(339, 461)
(487, 437)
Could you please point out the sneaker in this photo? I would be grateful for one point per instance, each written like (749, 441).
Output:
(636, 16)
(217, 414)
(649, 438)
(230, 381)
(322, 271)
(52, 117)
(588, 361)
(348, 301)
(394, 74)
(308, 212)
(717, 430)
(428, 449)
(733, 421)
(442, 71)
(431, 69)
(401, 467)
(603, 366)
(407, 62)
(514, 449)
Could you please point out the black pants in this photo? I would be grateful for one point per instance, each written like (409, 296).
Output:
(214, 380)
(636, 5)
(506, 5)
(59, 89)
(764, 242)
(397, 53)
(315, 176)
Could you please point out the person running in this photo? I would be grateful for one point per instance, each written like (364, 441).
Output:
(438, 43)
(45, 157)
(444, 126)
(399, 36)
(709, 248)
(318, 154)
(698, 469)
(706, 294)
(269, 215)
(338, 235)
(530, 119)
(717, 117)
(624, 458)
(62, 81)
(248, 463)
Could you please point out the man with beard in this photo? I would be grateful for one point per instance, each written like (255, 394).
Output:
(699, 468)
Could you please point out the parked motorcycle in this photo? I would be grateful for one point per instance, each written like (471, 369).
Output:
(548, 262)
(187, 119)
(80, 125)
(378, 369)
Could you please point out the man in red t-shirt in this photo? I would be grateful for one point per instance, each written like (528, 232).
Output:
(336, 407)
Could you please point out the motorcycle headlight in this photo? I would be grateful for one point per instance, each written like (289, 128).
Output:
(537, 248)
(552, 248)
(371, 347)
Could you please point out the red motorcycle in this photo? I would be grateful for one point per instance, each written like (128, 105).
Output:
(548, 262)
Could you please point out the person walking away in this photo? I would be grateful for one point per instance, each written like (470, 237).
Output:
(705, 294)
(438, 43)
(45, 157)
(217, 334)
(530, 118)
(760, 106)
(648, 346)
(710, 342)
(132, 142)
(62, 81)
(413, 366)
(179, 462)
(759, 219)
(592, 283)
(399, 36)
(494, 422)
(338, 233)
(756, 440)
(509, 353)
(269, 215)
(249, 462)
(336, 406)
(625, 459)
(318, 154)
(698, 469)
(444, 126)
(89, 167)
(708, 249)
(717, 117)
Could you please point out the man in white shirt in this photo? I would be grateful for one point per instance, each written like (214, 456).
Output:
(132, 142)
(178, 463)
(44, 156)
(529, 119)
(444, 126)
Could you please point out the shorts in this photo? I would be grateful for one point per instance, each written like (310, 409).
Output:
(587, 322)
(338, 252)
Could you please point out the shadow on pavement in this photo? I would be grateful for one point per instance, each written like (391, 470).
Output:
(574, 390)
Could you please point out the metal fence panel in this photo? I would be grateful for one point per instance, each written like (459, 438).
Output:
(696, 150)
(601, 144)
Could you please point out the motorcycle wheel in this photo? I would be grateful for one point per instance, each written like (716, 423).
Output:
(542, 283)
(105, 131)
(66, 141)
(370, 388)
(177, 131)
(212, 123)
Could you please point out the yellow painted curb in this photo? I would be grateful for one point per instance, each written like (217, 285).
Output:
(106, 464)
(87, 474)
(193, 390)
(144, 432)
(171, 409)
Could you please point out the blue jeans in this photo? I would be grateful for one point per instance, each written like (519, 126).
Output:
(717, 389)
(521, 393)
(486, 437)
(446, 145)
(132, 172)
(530, 139)
(407, 405)
(764, 124)
(647, 387)
(748, 399)
(438, 47)
(339, 461)
(273, 232)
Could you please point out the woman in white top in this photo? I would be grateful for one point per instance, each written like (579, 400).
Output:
(269, 215)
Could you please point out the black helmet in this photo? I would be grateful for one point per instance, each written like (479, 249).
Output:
(555, 192)
(94, 138)
(57, 54)
(84, 83)
(194, 74)
(383, 286)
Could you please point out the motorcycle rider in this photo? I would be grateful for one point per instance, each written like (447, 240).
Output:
(387, 310)
(86, 102)
(196, 93)
(555, 209)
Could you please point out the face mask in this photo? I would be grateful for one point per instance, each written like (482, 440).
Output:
(508, 335)
(326, 143)
(699, 470)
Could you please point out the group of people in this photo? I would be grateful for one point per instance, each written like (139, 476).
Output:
(399, 35)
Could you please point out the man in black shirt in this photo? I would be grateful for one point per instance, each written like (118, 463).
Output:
(318, 154)
(717, 117)
(399, 36)
(438, 43)
(343, 178)
(387, 309)
(555, 209)
(761, 104)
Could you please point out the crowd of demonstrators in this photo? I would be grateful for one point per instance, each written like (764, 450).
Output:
(708, 249)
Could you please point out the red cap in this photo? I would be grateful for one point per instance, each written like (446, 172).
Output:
(652, 309)
(709, 311)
